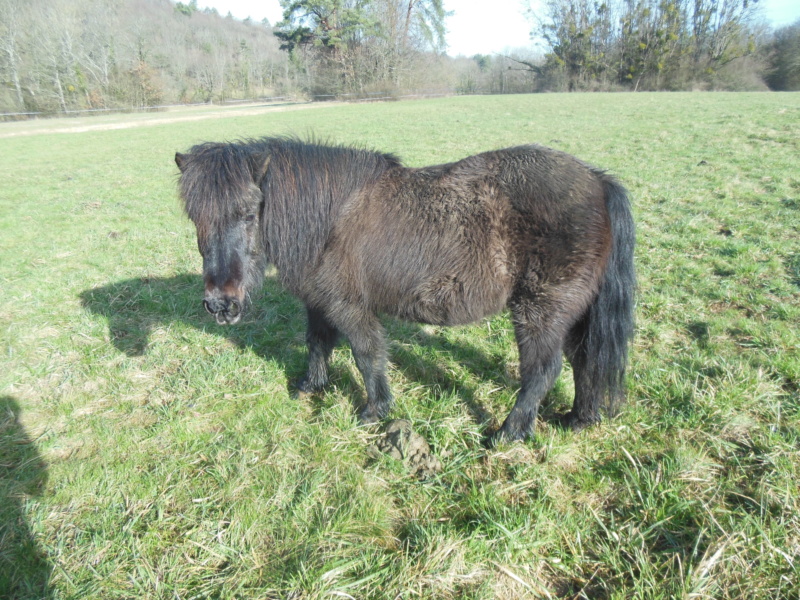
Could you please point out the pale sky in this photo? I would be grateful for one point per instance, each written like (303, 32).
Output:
(477, 26)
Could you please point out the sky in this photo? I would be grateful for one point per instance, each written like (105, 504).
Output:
(477, 26)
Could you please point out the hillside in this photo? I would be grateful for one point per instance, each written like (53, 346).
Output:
(64, 55)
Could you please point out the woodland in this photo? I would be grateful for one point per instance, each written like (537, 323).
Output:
(58, 56)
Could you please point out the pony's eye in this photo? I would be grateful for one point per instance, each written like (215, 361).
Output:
(249, 218)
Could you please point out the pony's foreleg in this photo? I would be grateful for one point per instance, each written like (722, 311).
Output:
(539, 365)
(368, 344)
(321, 338)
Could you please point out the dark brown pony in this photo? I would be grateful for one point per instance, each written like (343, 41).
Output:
(354, 235)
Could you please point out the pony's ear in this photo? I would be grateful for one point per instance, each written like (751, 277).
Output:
(260, 165)
(180, 160)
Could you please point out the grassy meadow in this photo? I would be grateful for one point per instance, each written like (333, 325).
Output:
(146, 452)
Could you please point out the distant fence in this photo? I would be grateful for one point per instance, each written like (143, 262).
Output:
(364, 97)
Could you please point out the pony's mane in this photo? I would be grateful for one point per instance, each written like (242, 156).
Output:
(216, 177)
(319, 163)
(306, 184)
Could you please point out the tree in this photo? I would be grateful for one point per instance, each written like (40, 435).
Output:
(783, 58)
(333, 25)
(10, 40)
(576, 32)
(359, 45)
(187, 9)
(329, 34)
(650, 41)
(720, 32)
(424, 24)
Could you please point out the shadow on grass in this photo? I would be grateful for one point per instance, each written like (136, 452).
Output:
(274, 328)
(417, 366)
(24, 568)
(135, 307)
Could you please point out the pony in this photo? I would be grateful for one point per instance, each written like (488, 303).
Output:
(355, 235)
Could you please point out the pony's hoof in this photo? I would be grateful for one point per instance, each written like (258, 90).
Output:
(298, 394)
(508, 434)
(368, 416)
(571, 421)
(305, 388)
(516, 428)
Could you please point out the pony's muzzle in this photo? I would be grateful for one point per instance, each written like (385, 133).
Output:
(227, 311)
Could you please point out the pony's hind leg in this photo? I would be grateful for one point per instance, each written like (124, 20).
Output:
(321, 338)
(539, 365)
(588, 391)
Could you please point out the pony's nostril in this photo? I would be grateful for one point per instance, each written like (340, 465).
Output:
(234, 309)
(215, 305)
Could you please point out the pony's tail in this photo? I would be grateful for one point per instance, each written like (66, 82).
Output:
(609, 323)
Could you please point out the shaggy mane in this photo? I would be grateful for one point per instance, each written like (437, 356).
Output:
(216, 179)
(216, 176)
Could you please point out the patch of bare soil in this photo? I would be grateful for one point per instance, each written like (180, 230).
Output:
(83, 124)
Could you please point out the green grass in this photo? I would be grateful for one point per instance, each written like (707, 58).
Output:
(146, 452)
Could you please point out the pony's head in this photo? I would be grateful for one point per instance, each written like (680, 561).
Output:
(220, 188)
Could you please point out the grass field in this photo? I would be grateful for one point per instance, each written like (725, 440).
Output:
(146, 452)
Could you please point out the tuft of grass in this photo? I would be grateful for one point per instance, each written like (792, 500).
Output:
(147, 452)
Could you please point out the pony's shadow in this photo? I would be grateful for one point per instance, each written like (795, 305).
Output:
(273, 330)
(486, 368)
(410, 341)
(136, 307)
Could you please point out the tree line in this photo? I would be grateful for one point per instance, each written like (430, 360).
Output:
(61, 55)
(654, 44)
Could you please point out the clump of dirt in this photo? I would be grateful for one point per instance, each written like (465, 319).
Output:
(401, 442)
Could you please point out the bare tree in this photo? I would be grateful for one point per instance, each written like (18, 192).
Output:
(10, 40)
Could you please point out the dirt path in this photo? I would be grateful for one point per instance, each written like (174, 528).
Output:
(127, 121)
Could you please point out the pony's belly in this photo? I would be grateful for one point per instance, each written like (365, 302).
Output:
(448, 300)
